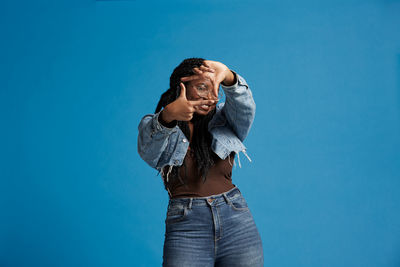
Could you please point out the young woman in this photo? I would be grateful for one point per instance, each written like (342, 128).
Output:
(192, 142)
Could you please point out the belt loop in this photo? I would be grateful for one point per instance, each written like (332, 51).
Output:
(190, 203)
(226, 198)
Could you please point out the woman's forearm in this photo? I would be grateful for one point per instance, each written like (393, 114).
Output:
(230, 78)
(239, 107)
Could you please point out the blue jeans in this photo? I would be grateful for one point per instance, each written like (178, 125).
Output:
(217, 230)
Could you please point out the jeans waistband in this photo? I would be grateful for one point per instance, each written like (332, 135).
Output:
(209, 200)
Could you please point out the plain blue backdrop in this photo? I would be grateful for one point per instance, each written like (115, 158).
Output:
(77, 76)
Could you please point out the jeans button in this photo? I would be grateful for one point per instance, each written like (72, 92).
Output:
(210, 200)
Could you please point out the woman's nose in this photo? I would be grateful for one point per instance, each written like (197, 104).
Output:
(209, 94)
(205, 96)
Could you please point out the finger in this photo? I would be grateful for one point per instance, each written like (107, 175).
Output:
(188, 116)
(191, 78)
(197, 70)
(183, 91)
(204, 68)
(190, 109)
(214, 97)
(197, 103)
(205, 63)
(215, 90)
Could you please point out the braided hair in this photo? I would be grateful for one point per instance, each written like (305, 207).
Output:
(201, 140)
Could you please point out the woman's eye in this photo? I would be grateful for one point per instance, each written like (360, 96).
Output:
(201, 88)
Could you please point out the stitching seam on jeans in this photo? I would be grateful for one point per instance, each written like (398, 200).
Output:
(220, 225)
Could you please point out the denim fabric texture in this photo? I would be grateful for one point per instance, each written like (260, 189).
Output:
(160, 146)
(217, 230)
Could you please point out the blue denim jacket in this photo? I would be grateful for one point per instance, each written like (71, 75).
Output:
(160, 146)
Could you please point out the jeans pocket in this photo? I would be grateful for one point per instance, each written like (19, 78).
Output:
(176, 214)
(239, 204)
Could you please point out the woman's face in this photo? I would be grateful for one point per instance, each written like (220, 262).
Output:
(201, 89)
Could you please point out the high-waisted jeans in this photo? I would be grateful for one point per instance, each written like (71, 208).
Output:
(217, 230)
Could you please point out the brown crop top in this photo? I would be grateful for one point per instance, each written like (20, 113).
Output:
(219, 178)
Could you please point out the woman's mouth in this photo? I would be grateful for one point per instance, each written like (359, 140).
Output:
(205, 108)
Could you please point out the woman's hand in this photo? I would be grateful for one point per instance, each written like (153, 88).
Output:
(182, 109)
(216, 71)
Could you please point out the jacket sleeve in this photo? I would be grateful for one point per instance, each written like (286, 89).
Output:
(153, 139)
(239, 108)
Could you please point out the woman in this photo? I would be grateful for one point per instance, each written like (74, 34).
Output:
(192, 142)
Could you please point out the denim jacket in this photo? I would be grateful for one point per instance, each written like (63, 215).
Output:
(160, 146)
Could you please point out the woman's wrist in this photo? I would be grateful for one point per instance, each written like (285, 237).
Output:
(165, 119)
(165, 115)
(230, 78)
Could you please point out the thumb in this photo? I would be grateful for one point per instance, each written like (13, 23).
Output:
(215, 90)
(183, 91)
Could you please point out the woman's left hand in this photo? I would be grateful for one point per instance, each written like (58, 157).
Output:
(216, 71)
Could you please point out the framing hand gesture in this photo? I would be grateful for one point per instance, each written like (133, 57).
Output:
(182, 109)
(216, 71)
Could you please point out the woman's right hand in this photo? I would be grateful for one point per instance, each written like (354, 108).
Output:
(182, 109)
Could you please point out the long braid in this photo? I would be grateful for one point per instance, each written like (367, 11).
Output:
(201, 141)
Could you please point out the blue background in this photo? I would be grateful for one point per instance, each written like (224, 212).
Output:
(77, 76)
